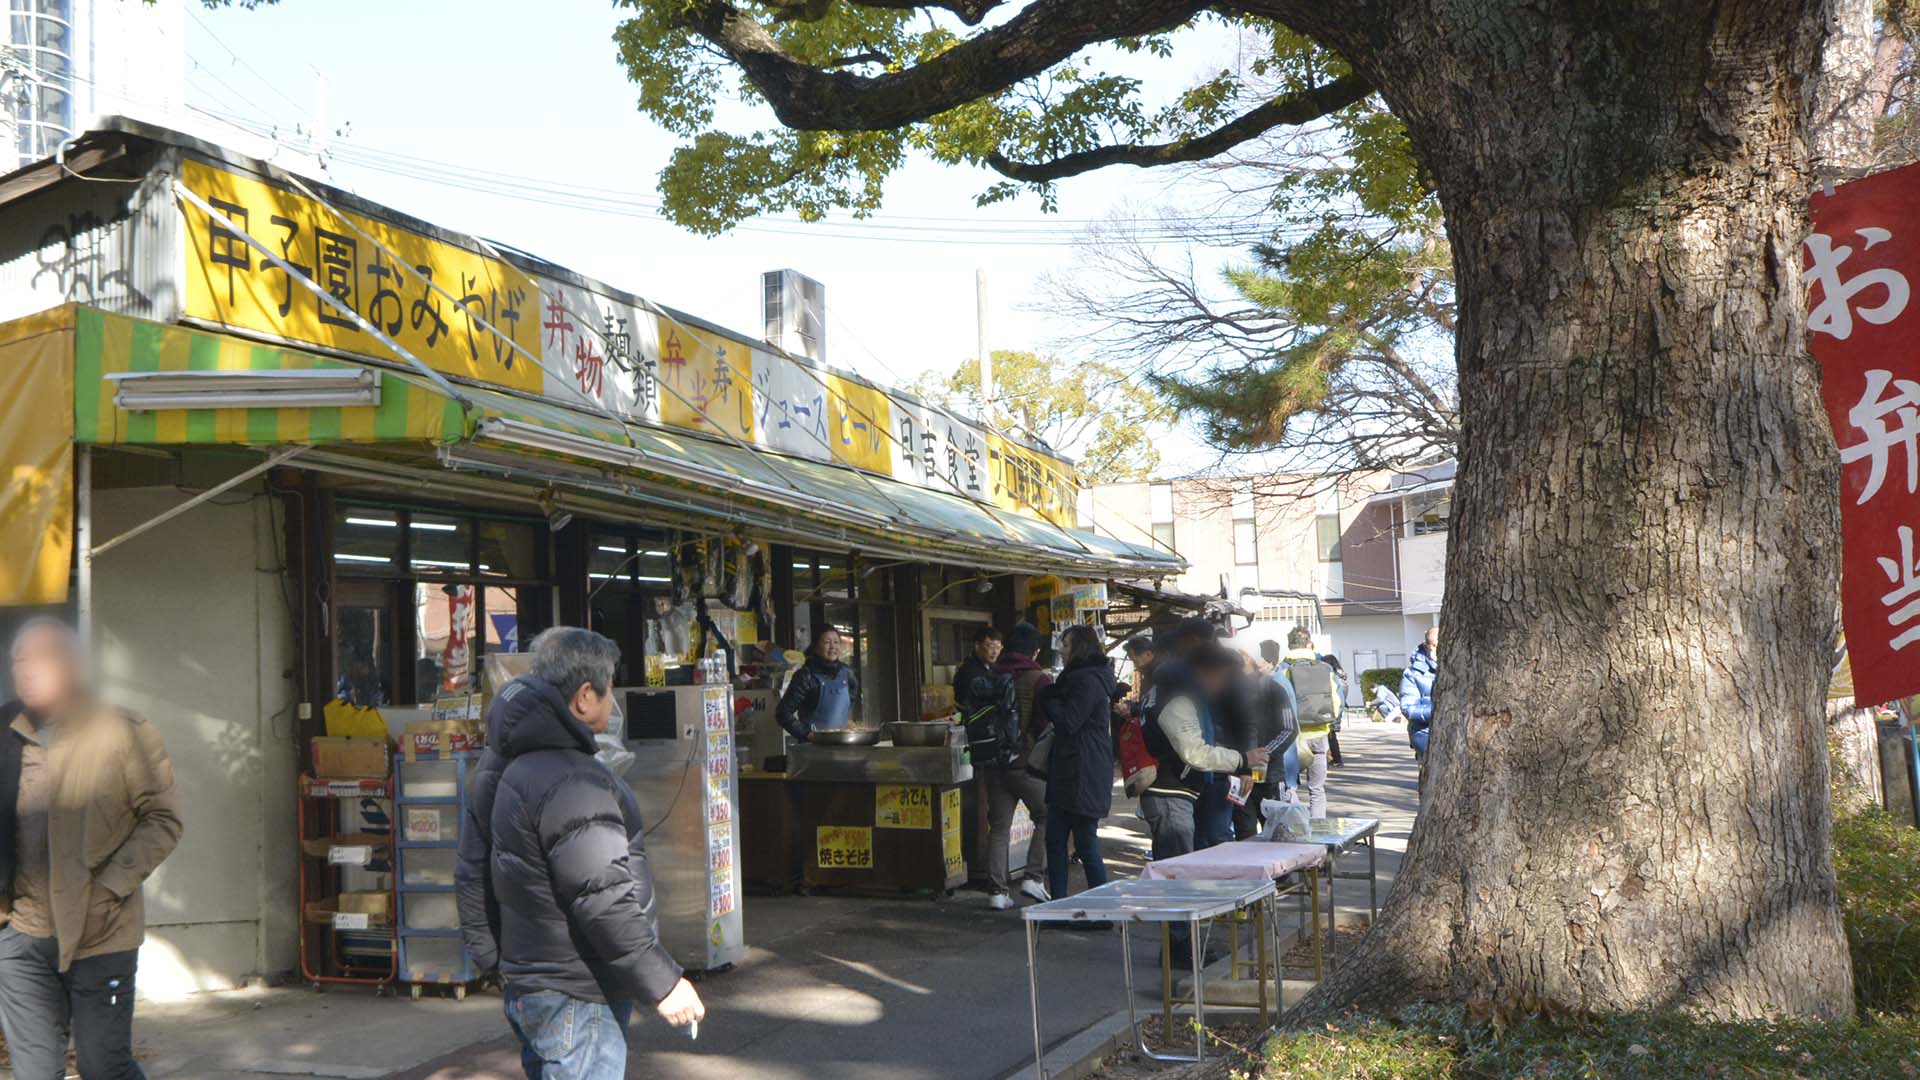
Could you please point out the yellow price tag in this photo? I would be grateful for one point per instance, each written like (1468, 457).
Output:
(900, 807)
(843, 847)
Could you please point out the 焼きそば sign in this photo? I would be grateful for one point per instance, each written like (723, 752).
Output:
(843, 847)
(1861, 260)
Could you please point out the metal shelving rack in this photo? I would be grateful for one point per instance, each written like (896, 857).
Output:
(364, 955)
(431, 954)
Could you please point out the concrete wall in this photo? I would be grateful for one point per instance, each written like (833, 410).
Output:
(193, 632)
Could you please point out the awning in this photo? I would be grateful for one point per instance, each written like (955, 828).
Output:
(140, 383)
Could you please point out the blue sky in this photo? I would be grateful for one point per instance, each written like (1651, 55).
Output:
(536, 91)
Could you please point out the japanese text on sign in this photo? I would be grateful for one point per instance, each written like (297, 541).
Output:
(843, 847)
(485, 331)
(1866, 336)
(901, 807)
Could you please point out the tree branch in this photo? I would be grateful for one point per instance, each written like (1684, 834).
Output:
(968, 11)
(810, 98)
(1298, 108)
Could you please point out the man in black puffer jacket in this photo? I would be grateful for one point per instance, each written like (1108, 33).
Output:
(553, 883)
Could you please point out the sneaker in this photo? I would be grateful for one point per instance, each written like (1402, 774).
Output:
(999, 901)
(1035, 891)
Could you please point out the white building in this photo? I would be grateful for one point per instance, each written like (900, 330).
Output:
(1360, 561)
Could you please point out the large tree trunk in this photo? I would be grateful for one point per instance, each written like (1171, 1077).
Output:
(1629, 773)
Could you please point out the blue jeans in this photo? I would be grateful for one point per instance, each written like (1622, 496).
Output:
(565, 1038)
(1085, 832)
(1290, 764)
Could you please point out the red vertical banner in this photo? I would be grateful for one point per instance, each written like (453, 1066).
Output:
(1864, 329)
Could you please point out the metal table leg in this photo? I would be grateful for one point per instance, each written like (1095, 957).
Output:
(1333, 907)
(1033, 991)
(1319, 960)
(1261, 929)
(1126, 966)
(1373, 880)
(1166, 983)
(1199, 995)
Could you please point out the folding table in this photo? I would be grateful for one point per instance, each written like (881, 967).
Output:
(1128, 902)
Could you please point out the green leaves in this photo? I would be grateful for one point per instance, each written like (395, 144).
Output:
(1082, 103)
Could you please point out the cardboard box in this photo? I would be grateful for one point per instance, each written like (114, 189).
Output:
(376, 905)
(441, 737)
(345, 757)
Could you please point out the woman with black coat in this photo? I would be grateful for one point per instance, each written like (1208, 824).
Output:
(1080, 765)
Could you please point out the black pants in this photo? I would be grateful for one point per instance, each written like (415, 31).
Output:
(41, 1006)
(1333, 748)
(1085, 833)
(1246, 819)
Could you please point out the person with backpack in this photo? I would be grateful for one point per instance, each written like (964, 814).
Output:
(1179, 731)
(1005, 781)
(1316, 693)
(1079, 783)
(1270, 654)
(974, 691)
(1267, 717)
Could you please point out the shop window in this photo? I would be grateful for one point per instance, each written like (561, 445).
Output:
(439, 544)
(444, 659)
(509, 550)
(367, 541)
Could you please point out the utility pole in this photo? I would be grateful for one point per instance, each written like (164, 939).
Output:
(980, 342)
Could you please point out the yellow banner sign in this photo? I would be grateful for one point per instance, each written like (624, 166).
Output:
(1032, 483)
(843, 847)
(950, 832)
(706, 382)
(898, 807)
(859, 425)
(231, 283)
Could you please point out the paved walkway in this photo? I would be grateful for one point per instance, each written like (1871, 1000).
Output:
(897, 989)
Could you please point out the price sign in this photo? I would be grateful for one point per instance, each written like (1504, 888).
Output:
(423, 825)
(350, 855)
(843, 847)
(950, 832)
(349, 920)
(899, 807)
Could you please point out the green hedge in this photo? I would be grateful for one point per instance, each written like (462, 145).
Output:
(1388, 677)
(1441, 1044)
(1878, 862)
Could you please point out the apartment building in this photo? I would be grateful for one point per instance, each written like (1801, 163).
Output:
(1360, 561)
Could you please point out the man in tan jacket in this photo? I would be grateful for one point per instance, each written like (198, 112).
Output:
(94, 816)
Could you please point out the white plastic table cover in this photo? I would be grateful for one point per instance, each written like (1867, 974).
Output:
(1240, 860)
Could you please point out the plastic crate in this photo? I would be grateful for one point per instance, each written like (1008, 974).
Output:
(433, 960)
(427, 866)
(428, 780)
(432, 824)
(429, 911)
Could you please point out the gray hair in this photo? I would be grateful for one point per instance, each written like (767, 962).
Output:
(567, 656)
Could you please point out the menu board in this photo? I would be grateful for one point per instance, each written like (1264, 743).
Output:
(719, 771)
(950, 832)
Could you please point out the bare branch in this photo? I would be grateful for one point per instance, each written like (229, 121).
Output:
(1297, 108)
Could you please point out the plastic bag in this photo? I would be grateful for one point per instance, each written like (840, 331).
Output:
(1284, 817)
(345, 718)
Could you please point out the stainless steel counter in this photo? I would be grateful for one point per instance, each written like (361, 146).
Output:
(883, 764)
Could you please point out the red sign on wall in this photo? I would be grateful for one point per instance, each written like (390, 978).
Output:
(1862, 260)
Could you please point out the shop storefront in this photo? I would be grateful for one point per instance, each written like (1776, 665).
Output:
(268, 469)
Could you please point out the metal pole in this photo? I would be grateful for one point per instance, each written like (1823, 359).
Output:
(83, 542)
(1199, 995)
(1033, 992)
(980, 343)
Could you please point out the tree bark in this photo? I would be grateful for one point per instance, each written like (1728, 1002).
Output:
(1629, 769)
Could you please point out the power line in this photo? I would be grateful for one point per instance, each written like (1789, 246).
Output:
(242, 62)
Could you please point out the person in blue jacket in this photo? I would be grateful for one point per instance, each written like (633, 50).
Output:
(1416, 691)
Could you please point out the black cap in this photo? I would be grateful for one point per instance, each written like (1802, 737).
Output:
(1140, 643)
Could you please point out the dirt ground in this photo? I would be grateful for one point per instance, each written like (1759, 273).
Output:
(1231, 1043)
